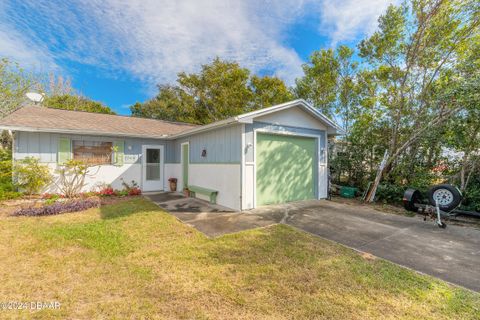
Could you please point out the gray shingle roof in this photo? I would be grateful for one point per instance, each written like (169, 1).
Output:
(37, 118)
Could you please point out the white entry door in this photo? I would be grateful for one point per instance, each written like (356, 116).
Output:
(152, 160)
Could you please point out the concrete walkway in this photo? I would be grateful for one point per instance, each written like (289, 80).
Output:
(452, 254)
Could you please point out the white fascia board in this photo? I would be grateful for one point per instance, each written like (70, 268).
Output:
(265, 111)
(248, 117)
(82, 132)
(206, 127)
(333, 125)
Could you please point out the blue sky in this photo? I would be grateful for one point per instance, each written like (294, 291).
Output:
(116, 51)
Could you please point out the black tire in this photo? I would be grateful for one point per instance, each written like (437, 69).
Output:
(449, 196)
(410, 198)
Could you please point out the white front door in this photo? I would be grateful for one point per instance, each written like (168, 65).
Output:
(152, 163)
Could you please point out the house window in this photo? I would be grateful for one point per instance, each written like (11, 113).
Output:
(93, 152)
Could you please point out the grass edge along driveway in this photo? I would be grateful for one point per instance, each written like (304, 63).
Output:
(131, 260)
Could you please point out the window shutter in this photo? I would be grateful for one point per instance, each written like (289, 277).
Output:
(119, 152)
(64, 152)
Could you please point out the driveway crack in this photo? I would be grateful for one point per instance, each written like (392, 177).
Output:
(285, 216)
(382, 239)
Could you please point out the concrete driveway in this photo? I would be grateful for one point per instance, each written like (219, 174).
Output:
(452, 254)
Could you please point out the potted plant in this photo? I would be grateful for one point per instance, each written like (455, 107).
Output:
(186, 192)
(173, 184)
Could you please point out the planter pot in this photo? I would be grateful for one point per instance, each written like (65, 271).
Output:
(173, 186)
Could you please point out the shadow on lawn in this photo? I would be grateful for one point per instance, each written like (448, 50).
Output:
(126, 208)
(281, 247)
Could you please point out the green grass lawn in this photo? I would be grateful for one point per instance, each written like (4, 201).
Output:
(132, 260)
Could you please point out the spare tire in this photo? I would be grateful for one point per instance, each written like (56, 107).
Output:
(411, 197)
(447, 197)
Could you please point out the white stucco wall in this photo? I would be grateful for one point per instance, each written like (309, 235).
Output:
(222, 177)
(106, 174)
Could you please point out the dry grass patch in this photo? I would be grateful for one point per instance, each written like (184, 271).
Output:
(131, 260)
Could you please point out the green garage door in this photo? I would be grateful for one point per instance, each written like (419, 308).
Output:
(285, 168)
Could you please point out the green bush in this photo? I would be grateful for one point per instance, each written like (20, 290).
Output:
(390, 193)
(30, 175)
(8, 195)
(7, 189)
(471, 200)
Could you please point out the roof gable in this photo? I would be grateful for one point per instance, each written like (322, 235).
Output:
(330, 125)
(293, 117)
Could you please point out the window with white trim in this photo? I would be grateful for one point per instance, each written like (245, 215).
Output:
(93, 152)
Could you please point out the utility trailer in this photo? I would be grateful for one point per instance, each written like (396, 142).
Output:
(441, 203)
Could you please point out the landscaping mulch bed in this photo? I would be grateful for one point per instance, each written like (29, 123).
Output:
(9, 207)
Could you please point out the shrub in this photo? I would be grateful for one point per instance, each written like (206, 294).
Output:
(390, 193)
(72, 176)
(50, 198)
(121, 193)
(31, 176)
(7, 189)
(135, 192)
(471, 200)
(107, 192)
(8, 195)
(58, 208)
(133, 189)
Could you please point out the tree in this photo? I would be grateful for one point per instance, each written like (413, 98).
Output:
(220, 90)
(172, 103)
(75, 102)
(414, 46)
(71, 177)
(269, 91)
(463, 130)
(14, 83)
(318, 85)
(330, 84)
(347, 87)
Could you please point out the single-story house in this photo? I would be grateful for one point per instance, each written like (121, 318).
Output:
(273, 155)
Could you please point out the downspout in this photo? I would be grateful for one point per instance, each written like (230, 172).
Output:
(14, 147)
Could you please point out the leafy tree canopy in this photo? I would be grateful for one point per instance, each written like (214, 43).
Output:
(14, 83)
(220, 90)
(75, 102)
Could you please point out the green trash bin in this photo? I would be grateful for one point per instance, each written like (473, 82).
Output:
(348, 192)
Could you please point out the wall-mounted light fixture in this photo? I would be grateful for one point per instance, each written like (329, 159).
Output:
(204, 153)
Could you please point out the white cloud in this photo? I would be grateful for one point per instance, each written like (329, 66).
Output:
(153, 40)
(29, 55)
(346, 20)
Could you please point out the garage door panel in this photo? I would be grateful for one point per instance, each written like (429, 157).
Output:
(285, 168)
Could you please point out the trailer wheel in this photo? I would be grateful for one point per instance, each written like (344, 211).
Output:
(410, 198)
(447, 197)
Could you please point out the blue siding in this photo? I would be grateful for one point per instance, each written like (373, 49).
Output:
(44, 145)
(222, 146)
